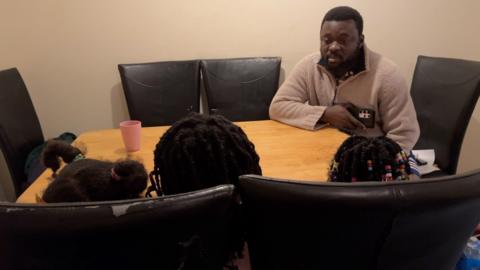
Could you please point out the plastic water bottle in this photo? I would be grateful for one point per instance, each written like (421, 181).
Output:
(470, 259)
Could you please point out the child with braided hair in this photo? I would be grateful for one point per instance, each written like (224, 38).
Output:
(84, 179)
(201, 151)
(369, 159)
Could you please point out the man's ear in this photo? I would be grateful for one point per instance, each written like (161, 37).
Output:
(362, 38)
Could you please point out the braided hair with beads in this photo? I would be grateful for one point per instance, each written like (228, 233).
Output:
(369, 159)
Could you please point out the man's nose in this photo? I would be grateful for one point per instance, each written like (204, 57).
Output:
(334, 46)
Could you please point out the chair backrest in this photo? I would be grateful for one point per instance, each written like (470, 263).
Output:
(444, 92)
(184, 231)
(241, 89)
(163, 92)
(418, 224)
(20, 130)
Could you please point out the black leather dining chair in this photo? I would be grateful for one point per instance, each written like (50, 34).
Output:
(418, 224)
(444, 92)
(161, 93)
(20, 130)
(184, 231)
(241, 89)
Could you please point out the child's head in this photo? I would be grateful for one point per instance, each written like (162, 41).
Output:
(201, 151)
(89, 179)
(369, 159)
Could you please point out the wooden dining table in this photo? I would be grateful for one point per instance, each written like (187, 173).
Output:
(285, 152)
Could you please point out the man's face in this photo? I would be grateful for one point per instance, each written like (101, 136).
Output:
(339, 43)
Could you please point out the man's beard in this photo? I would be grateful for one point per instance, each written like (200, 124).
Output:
(345, 66)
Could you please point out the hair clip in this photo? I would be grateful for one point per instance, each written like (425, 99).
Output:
(114, 175)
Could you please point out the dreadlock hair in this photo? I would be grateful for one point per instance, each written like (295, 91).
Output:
(344, 13)
(201, 151)
(85, 179)
(369, 159)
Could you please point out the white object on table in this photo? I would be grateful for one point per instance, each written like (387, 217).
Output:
(427, 155)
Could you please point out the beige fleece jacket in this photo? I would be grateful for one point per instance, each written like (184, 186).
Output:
(310, 88)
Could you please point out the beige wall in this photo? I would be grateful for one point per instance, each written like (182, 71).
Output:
(68, 51)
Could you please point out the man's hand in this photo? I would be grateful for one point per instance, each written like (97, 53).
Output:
(339, 117)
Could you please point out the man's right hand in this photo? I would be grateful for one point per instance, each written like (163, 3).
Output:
(339, 117)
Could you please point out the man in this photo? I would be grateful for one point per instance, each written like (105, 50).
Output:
(347, 79)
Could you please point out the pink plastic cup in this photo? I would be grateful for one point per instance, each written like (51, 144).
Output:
(131, 134)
